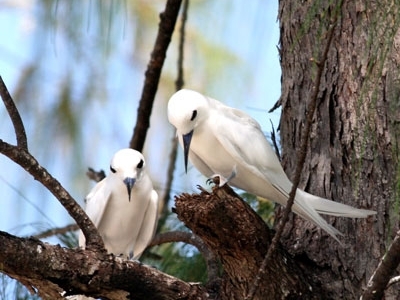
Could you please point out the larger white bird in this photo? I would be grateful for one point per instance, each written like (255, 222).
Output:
(124, 206)
(220, 140)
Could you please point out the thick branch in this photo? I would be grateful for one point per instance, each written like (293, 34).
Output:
(153, 73)
(240, 239)
(87, 272)
(14, 115)
(30, 164)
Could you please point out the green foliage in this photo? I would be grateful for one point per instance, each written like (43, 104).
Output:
(263, 207)
(179, 260)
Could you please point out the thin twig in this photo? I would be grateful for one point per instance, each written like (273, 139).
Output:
(381, 277)
(300, 162)
(174, 147)
(96, 176)
(153, 73)
(14, 115)
(56, 231)
(192, 239)
(180, 78)
(274, 142)
(393, 280)
(23, 158)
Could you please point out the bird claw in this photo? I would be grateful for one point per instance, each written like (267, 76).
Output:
(221, 181)
(203, 190)
(218, 179)
(210, 181)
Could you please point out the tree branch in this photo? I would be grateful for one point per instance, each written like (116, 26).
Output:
(55, 269)
(381, 277)
(56, 231)
(96, 176)
(23, 158)
(274, 142)
(153, 72)
(174, 147)
(180, 78)
(240, 238)
(190, 238)
(20, 155)
(14, 115)
(300, 163)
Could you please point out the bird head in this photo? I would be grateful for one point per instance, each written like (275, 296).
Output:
(187, 109)
(127, 165)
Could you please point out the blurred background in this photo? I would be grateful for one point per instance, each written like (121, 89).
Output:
(76, 70)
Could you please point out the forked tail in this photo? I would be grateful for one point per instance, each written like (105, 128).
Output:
(309, 207)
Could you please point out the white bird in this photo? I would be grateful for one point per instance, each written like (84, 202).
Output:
(226, 142)
(124, 206)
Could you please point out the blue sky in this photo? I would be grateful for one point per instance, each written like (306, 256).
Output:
(246, 75)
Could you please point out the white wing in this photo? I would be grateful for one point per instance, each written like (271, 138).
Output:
(242, 138)
(96, 203)
(148, 226)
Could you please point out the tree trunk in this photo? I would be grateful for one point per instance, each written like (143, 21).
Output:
(353, 152)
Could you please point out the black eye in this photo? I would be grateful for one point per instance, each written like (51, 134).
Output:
(140, 164)
(194, 114)
(112, 169)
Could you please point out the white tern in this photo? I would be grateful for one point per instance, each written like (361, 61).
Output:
(124, 206)
(226, 142)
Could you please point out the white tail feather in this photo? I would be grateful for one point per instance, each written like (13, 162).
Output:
(309, 206)
(332, 208)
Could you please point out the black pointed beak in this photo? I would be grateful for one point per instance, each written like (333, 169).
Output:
(187, 138)
(129, 182)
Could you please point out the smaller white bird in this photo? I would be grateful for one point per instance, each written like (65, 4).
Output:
(124, 206)
(226, 142)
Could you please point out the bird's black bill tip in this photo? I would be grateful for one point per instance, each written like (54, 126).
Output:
(187, 138)
(129, 182)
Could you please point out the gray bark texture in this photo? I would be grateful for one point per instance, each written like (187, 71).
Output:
(353, 145)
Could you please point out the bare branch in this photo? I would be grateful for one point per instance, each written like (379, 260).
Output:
(300, 163)
(381, 277)
(52, 269)
(192, 239)
(274, 142)
(153, 72)
(393, 280)
(30, 164)
(180, 78)
(174, 147)
(56, 231)
(14, 115)
(96, 176)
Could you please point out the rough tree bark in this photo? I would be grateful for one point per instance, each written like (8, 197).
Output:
(227, 225)
(353, 152)
(49, 270)
(240, 239)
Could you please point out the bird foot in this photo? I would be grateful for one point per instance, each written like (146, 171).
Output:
(223, 180)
